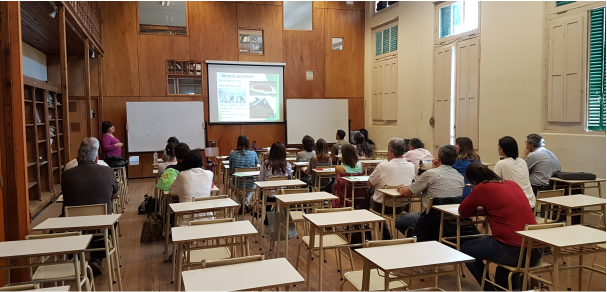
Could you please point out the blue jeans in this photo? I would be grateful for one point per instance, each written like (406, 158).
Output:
(406, 221)
(489, 249)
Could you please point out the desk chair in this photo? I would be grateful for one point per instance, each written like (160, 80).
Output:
(215, 213)
(595, 265)
(537, 210)
(540, 267)
(258, 196)
(194, 257)
(24, 287)
(236, 188)
(235, 261)
(63, 270)
(355, 278)
(388, 217)
(296, 216)
(330, 241)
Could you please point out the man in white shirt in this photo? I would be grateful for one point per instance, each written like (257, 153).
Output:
(417, 153)
(87, 141)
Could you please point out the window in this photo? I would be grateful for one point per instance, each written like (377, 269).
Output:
(337, 44)
(596, 71)
(162, 17)
(561, 3)
(457, 18)
(184, 77)
(379, 5)
(386, 40)
(298, 15)
(250, 41)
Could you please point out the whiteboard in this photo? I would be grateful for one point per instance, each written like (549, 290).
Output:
(319, 118)
(151, 124)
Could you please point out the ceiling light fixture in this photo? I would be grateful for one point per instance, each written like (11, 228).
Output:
(54, 13)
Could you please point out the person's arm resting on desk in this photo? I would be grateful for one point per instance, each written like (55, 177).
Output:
(416, 188)
(471, 206)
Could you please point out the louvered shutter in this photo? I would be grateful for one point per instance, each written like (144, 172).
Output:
(561, 3)
(378, 43)
(442, 95)
(445, 21)
(386, 41)
(394, 38)
(467, 86)
(596, 103)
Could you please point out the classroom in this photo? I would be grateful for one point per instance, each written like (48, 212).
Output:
(303, 145)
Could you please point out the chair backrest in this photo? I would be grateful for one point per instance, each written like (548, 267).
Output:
(86, 210)
(293, 191)
(377, 243)
(205, 222)
(246, 169)
(52, 235)
(544, 195)
(209, 198)
(327, 210)
(24, 287)
(234, 261)
(272, 178)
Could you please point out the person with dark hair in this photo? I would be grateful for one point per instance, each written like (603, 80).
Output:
(276, 164)
(321, 158)
(417, 153)
(350, 166)
(193, 181)
(502, 202)
(110, 145)
(465, 157)
(366, 134)
(363, 149)
(308, 153)
(244, 157)
(339, 136)
(173, 140)
(180, 150)
(170, 158)
(165, 156)
(440, 181)
(541, 162)
(513, 168)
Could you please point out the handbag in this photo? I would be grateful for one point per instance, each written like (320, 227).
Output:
(115, 161)
(274, 220)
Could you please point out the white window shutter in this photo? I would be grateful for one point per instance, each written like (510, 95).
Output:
(391, 85)
(378, 88)
(556, 60)
(442, 95)
(467, 89)
(574, 69)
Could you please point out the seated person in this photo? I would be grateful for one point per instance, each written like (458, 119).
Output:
(193, 181)
(244, 157)
(440, 181)
(513, 168)
(417, 153)
(170, 157)
(542, 163)
(502, 201)
(350, 166)
(363, 149)
(275, 165)
(397, 171)
(308, 153)
(180, 151)
(89, 184)
(87, 141)
(366, 134)
(335, 150)
(174, 141)
(322, 158)
(465, 157)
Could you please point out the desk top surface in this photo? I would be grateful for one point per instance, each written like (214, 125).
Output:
(280, 183)
(78, 222)
(356, 178)
(46, 246)
(373, 161)
(390, 192)
(245, 276)
(213, 189)
(302, 163)
(342, 218)
(211, 231)
(451, 209)
(413, 255)
(566, 236)
(305, 197)
(574, 201)
(328, 170)
(203, 205)
(58, 288)
(577, 181)
(246, 173)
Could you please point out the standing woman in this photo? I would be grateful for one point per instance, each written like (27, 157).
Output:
(110, 145)
(465, 157)
(513, 168)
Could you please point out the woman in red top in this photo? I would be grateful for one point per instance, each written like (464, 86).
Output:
(507, 209)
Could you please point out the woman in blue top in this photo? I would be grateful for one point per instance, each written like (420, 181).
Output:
(243, 157)
(465, 157)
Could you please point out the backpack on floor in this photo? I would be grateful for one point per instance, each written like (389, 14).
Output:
(152, 229)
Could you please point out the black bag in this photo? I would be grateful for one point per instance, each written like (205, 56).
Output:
(574, 175)
(115, 161)
(148, 206)
(152, 229)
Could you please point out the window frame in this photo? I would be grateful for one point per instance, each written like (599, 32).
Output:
(374, 5)
(386, 25)
(176, 77)
(587, 81)
(567, 7)
(383, 58)
(464, 35)
(187, 25)
(294, 29)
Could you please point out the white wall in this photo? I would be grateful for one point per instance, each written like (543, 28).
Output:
(34, 63)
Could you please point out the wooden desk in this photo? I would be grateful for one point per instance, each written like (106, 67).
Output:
(393, 195)
(262, 187)
(565, 242)
(58, 288)
(574, 201)
(226, 179)
(451, 211)
(322, 221)
(251, 276)
(298, 168)
(380, 154)
(81, 223)
(287, 201)
(244, 178)
(570, 183)
(410, 256)
(74, 245)
(370, 163)
(188, 234)
(355, 182)
(323, 173)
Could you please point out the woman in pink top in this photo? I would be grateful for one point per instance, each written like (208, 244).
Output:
(417, 153)
(110, 145)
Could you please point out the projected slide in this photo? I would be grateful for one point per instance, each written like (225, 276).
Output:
(248, 96)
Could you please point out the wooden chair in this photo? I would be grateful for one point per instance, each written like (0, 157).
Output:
(541, 266)
(595, 265)
(63, 270)
(330, 241)
(296, 215)
(388, 217)
(215, 213)
(537, 210)
(355, 278)
(208, 254)
(24, 287)
(235, 261)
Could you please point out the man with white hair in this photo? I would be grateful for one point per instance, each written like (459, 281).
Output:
(87, 141)
(542, 163)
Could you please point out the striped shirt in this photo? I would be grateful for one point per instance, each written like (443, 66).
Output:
(443, 182)
(238, 160)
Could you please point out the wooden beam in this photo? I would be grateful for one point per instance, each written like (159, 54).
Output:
(87, 86)
(67, 142)
(100, 99)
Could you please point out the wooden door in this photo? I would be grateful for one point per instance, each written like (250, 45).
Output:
(77, 109)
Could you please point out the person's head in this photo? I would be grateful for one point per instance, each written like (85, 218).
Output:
(191, 159)
(348, 155)
(535, 141)
(173, 140)
(465, 149)
(359, 138)
(87, 153)
(180, 150)
(277, 159)
(507, 147)
(396, 148)
(477, 173)
(447, 154)
(308, 143)
(340, 135)
(365, 133)
(322, 151)
(90, 141)
(243, 144)
(415, 143)
(170, 150)
(107, 127)
(363, 149)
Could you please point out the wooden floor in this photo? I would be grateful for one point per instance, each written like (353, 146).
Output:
(143, 266)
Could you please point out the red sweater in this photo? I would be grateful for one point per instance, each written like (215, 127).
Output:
(506, 207)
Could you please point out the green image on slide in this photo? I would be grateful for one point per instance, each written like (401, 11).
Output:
(265, 92)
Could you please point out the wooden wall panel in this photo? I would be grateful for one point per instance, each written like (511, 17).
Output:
(225, 135)
(265, 135)
(75, 74)
(276, 3)
(358, 5)
(119, 34)
(303, 51)
(53, 69)
(77, 110)
(268, 18)
(344, 69)
(154, 51)
(114, 110)
(356, 112)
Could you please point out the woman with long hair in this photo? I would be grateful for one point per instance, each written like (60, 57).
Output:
(171, 158)
(276, 164)
(244, 157)
(308, 153)
(465, 157)
(350, 166)
(506, 208)
(363, 149)
(322, 158)
(513, 168)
